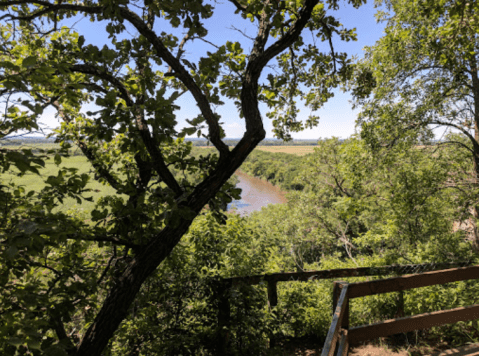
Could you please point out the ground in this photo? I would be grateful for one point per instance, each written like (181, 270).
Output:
(312, 348)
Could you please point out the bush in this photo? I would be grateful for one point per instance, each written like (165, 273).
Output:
(176, 312)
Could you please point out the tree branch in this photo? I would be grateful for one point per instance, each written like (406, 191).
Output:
(57, 324)
(92, 70)
(465, 132)
(182, 74)
(149, 142)
(242, 8)
(260, 57)
(107, 239)
(330, 39)
(152, 148)
(156, 156)
(457, 143)
(88, 152)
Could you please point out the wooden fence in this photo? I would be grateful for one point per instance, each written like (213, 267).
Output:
(340, 335)
(225, 285)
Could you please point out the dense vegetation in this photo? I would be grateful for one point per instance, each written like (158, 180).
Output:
(364, 207)
(118, 102)
(133, 265)
(356, 207)
(277, 168)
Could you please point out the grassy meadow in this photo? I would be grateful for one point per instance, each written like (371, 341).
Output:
(31, 181)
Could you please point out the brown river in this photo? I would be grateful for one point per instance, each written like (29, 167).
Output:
(256, 194)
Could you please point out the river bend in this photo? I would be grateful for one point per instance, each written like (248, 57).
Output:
(256, 193)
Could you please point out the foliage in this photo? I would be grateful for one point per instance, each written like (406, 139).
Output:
(398, 204)
(118, 105)
(363, 208)
(421, 72)
(176, 310)
(139, 274)
(277, 168)
(423, 75)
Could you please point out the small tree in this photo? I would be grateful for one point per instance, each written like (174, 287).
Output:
(68, 283)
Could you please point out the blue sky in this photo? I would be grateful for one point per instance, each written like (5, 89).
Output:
(336, 117)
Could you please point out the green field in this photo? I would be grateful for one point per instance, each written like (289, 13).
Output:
(31, 181)
(77, 160)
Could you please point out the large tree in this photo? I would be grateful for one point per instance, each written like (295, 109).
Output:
(423, 75)
(67, 283)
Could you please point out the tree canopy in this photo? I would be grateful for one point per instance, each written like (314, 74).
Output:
(423, 75)
(423, 71)
(67, 280)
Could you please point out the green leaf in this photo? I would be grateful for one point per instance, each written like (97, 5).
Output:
(34, 344)
(28, 227)
(236, 193)
(188, 131)
(29, 62)
(57, 159)
(12, 252)
(81, 41)
(55, 350)
(15, 341)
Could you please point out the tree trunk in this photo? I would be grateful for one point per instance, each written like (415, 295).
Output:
(475, 147)
(122, 294)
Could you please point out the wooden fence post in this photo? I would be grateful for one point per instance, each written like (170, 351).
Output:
(337, 288)
(400, 302)
(272, 294)
(224, 315)
(272, 301)
(336, 293)
(345, 321)
(400, 305)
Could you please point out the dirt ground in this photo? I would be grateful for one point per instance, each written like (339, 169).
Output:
(309, 349)
(369, 350)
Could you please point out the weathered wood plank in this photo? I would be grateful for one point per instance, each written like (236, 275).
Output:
(345, 318)
(412, 281)
(343, 348)
(343, 272)
(415, 322)
(336, 294)
(332, 337)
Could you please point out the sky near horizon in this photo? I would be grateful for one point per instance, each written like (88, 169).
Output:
(336, 117)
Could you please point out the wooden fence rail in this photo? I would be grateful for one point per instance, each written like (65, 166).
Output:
(341, 273)
(340, 325)
(272, 280)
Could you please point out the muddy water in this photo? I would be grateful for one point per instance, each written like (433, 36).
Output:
(256, 194)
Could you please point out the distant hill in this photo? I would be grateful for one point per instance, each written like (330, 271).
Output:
(20, 140)
(17, 140)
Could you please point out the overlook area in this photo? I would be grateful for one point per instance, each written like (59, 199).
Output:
(125, 129)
